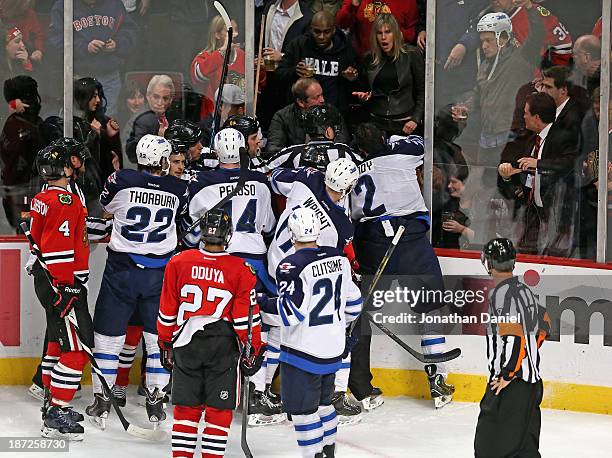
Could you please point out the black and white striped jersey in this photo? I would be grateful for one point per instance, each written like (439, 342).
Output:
(515, 332)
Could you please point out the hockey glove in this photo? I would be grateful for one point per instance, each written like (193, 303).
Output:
(249, 366)
(352, 338)
(65, 299)
(166, 355)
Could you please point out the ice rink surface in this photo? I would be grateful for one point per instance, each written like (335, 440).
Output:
(402, 427)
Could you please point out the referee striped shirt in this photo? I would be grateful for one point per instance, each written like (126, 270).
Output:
(513, 345)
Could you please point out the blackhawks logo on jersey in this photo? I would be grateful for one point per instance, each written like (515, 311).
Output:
(543, 11)
(374, 9)
(64, 199)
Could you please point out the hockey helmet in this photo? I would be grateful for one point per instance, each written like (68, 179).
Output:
(315, 156)
(497, 23)
(151, 150)
(498, 254)
(319, 117)
(182, 135)
(304, 225)
(244, 124)
(227, 144)
(216, 227)
(51, 160)
(341, 175)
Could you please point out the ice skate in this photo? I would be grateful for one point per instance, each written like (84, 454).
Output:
(441, 392)
(347, 412)
(57, 424)
(155, 407)
(120, 395)
(263, 410)
(98, 411)
(374, 400)
(37, 392)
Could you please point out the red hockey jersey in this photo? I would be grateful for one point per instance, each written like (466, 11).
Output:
(558, 40)
(58, 227)
(200, 288)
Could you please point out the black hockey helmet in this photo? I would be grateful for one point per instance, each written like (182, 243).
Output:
(74, 147)
(315, 156)
(51, 160)
(243, 124)
(498, 254)
(216, 227)
(319, 117)
(182, 135)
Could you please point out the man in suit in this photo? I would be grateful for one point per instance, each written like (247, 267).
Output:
(542, 181)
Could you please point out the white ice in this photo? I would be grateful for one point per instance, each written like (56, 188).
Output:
(402, 427)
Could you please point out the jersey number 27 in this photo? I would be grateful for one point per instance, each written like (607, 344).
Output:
(195, 304)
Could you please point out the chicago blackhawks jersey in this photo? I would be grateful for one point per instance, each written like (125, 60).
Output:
(200, 288)
(250, 209)
(58, 227)
(145, 208)
(305, 187)
(317, 298)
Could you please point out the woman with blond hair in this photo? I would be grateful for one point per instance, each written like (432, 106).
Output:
(395, 74)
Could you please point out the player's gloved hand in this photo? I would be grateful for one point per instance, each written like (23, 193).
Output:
(166, 355)
(351, 340)
(65, 299)
(249, 366)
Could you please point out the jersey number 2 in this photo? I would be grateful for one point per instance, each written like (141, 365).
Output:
(136, 232)
(370, 188)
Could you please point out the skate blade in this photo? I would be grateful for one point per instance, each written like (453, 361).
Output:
(98, 422)
(441, 401)
(36, 392)
(266, 420)
(346, 420)
(51, 433)
(371, 404)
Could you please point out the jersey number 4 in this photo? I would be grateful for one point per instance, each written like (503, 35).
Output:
(140, 229)
(246, 222)
(194, 303)
(328, 290)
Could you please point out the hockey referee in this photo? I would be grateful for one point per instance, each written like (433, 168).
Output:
(509, 420)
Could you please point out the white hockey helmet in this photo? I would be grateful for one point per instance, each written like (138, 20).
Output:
(152, 149)
(341, 175)
(304, 225)
(497, 23)
(227, 144)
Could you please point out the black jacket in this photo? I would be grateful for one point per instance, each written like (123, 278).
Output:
(297, 27)
(145, 123)
(286, 130)
(328, 64)
(409, 97)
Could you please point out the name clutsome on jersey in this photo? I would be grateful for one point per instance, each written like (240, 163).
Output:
(326, 267)
(153, 198)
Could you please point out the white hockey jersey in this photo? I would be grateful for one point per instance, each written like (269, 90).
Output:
(145, 208)
(251, 209)
(387, 184)
(305, 187)
(317, 298)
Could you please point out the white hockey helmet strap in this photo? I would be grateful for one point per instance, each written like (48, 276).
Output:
(304, 225)
(497, 23)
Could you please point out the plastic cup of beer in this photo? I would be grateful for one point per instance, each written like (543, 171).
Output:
(269, 63)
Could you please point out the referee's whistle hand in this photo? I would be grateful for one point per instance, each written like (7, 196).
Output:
(499, 384)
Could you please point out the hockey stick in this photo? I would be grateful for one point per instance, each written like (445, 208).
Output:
(136, 431)
(228, 51)
(257, 73)
(244, 171)
(440, 358)
(245, 389)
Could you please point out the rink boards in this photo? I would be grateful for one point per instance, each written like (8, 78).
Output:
(578, 376)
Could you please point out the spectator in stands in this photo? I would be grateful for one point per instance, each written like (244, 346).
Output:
(20, 141)
(455, 216)
(323, 53)
(232, 103)
(14, 56)
(396, 77)
(543, 182)
(331, 6)
(99, 132)
(153, 120)
(587, 61)
(104, 36)
(207, 66)
(286, 127)
(187, 18)
(359, 16)
(20, 14)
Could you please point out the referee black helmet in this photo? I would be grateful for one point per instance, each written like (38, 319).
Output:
(498, 254)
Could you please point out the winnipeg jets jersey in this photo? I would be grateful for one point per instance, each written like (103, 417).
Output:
(305, 187)
(251, 209)
(290, 157)
(317, 298)
(145, 208)
(387, 184)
